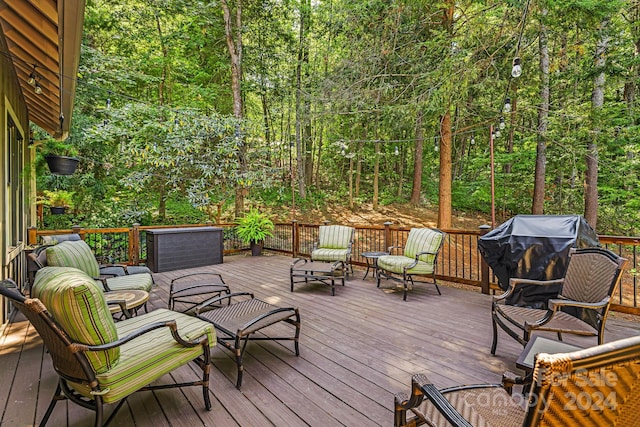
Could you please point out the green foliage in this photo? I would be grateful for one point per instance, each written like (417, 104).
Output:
(254, 227)
(60, 198)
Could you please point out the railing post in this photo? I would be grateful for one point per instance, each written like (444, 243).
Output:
(387, 235)
(295, 238)
(484, 267)
(76, 229)
(32, 236)
(134, 244)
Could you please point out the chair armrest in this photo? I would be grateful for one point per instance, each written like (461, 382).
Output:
(509, 379)
(171, 324)
(214, 300)
(421, 388)
(122, 266)
(557, 303)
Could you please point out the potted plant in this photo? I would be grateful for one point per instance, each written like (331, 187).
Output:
(58, 201)
(253, 228)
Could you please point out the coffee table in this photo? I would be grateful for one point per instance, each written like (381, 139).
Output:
(126, 300)
(303, 270)
(372, 262)
(192, 289)
(237, 322)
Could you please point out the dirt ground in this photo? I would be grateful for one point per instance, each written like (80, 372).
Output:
(400, 215)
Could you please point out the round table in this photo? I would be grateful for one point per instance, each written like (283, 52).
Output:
(372, 262)
(133, 300)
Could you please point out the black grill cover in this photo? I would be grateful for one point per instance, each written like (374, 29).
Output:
(534, 247)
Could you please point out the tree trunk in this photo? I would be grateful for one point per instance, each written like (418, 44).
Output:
(234, 44)
(301, 127)
(417, 161)
(376, 173)
(597, 102)
(543, 120)
(444, 196)
(444, 206)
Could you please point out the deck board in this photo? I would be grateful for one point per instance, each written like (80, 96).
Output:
(357, 348)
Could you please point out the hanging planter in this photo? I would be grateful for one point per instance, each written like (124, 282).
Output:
(57, 210)
(62, 165)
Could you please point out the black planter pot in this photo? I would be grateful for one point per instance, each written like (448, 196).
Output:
(62, 165)
(256, 248)
(57, 210)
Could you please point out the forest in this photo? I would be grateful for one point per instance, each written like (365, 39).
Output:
(191, 111)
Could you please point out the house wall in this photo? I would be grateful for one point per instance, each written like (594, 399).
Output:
(17, 183)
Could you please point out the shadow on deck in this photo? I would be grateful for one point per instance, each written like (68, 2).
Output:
(357, 349)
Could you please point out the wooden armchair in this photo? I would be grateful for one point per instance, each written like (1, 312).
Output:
(581, 308)
(419, 258)
(334, 244)
(598, 386)
(101, 362)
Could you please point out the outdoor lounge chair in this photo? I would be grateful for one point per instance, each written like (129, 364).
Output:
(420, 258)
(99, 361)
(597, 386)
(581, 307)
(334, 244)
(105, 269)
(78, 254)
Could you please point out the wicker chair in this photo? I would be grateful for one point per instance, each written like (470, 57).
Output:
(101, 362)
(598, 386)
(419, 258)
(334, 244)
(581, 308)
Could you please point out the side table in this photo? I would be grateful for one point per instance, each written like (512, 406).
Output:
(128, 301)
(538, 344)
(372, 262)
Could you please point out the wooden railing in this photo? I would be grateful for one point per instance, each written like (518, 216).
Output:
(459, 261)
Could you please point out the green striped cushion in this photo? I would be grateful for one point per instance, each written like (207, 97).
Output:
(396, 264)
(148, 357)
(74, 254)
(329, 255)
(423, 240)
(334, 236)
(78, 305)
(142, 282)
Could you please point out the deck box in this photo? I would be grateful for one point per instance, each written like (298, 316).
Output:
(180, 248)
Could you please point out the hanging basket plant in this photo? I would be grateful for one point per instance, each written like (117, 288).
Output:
(61, 165)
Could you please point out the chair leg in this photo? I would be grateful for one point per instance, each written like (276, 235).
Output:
(56, 396)
(494, 343)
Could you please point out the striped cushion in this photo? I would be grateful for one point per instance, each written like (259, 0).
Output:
(148, 357)
(330, 255)
(423, 240)
(78, 305)
(74, 254)
(397, 263)
(142, 282)
(334, 236)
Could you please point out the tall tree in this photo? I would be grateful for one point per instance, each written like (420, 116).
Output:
(417, 160)
(233, 33)
(597, 102)
(543, 120)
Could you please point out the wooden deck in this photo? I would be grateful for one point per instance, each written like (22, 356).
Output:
(357, 348)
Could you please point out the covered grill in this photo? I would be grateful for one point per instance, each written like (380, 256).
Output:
(534, 247)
